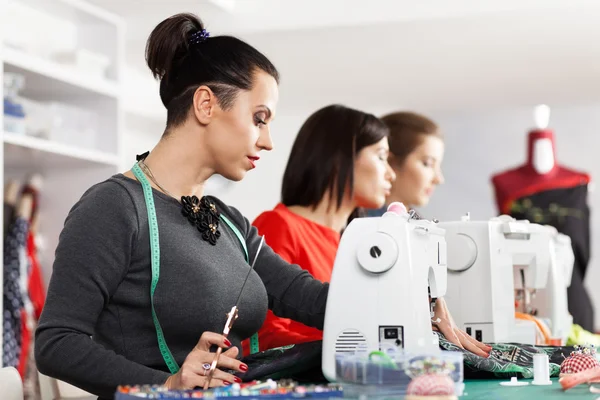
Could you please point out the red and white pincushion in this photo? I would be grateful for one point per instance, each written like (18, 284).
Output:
(431, 387)
(578, 363)
(581, 359)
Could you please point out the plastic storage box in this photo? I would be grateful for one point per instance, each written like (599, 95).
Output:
(401, 374)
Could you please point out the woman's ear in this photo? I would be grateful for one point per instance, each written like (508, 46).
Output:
(204, 104)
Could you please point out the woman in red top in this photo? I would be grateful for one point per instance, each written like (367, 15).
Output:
(338, 165)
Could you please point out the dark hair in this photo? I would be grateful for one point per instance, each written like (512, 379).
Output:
(223, 63)
(406, 132)
(324, 152)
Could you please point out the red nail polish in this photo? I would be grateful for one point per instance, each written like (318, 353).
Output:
(227, 343)
(237, 380)
(244, 367)
(225, 383)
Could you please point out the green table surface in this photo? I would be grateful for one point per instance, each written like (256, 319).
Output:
(491, 390)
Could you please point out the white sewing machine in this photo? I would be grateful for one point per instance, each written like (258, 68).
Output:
(378, 295)
(487, 262)
(551, 302)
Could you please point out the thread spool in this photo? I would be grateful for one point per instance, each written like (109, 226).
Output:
(541, 370)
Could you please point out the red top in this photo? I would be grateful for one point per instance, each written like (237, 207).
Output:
(303, 242)
(524, 180)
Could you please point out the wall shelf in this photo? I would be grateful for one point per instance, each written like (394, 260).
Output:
(61, 81)
(28, 47)
(23, 152)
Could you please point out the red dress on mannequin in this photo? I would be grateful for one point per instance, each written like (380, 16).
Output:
(557, 197)
(525, 180)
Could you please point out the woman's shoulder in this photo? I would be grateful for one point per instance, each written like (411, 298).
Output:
(102, 207)
(110, 198)
(118, 189)
(279, 217)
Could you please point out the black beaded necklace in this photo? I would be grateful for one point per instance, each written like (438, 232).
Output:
(202, 213)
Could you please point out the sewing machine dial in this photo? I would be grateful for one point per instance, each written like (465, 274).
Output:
(377, 253)
(462, 252)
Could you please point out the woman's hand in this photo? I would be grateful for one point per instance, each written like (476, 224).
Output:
(195, 368)
(448, 328)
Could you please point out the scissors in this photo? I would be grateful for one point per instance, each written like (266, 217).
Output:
(232, 315)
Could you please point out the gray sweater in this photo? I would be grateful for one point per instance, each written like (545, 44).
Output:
(96, 330)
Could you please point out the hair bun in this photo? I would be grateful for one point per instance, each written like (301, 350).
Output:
(169, 41)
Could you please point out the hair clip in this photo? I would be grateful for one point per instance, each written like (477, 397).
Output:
(199, 36)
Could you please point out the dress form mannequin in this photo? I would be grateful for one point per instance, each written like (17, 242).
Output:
(544, 192)
(540, 172)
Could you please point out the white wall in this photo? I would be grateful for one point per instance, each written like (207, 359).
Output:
(479, 145)
(141, 134)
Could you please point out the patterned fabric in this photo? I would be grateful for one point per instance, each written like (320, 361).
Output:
(9, 211)
(14, 255)
(508, 359)
(302, 362)
(578, 363)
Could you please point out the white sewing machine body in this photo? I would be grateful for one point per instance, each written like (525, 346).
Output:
(378, 295)
(487, 261)
(552, 301)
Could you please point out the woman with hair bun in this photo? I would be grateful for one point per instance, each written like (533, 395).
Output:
(147, 266)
